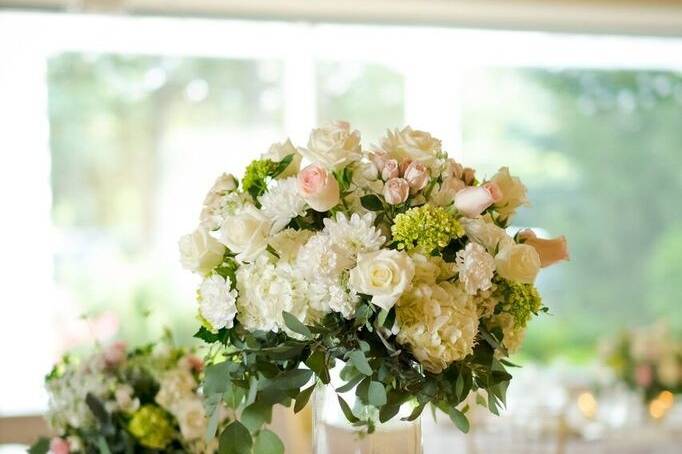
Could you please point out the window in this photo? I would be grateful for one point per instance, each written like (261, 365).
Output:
(115, 139)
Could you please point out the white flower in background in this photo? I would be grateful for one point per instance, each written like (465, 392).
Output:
(334, 146)
(213, 202)
(476, 268)
(414, 145)
(438, 322)
(125, 399)
(191, 417)
(282, 203)
(279, 151)
(200, 252)
(265, 290)
(217, 303)
(514, 193)
(444, 194)
(519, 262)
(669, 370)
(288, 242)
(384, 274)
(175, 386)
(246, 233)
(487, 234)
(354, 234)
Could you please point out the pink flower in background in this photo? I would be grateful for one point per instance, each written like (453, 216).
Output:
(59, 446)
(396, 191)
(550, 251)
(115, 353)
(318, 188)
(644, 375)
(192, 362)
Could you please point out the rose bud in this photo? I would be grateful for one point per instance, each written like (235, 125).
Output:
(404, 165)
(59, 446)
(473, 200)
(318, 188)
(396, 191)
(550, 251)
(379, 158)
(391, 170)
(417, 176)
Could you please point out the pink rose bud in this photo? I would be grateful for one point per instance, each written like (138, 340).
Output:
(193, 362)
(404, 165)
(391, 170)
(379, 159)
(550, 251)
(396, 191)
(417, 176)
(115, 354)
(643, 375)
(473, 200)
(318, 187)
(59, 446)
(468, 176)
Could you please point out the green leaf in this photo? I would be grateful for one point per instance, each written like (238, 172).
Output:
(362, 391)
(217, 378)
(303, 398)
(282, 165)
(376, 394)
(233, 396)
(97, 408)
(358, 359)
(42, 446)
(267, 442)
(103, 446)
(318, 364)
(480, 400)
(213, 417)
(253, 390)
(209, 336)
(235, 439)
(459, 386)
(347, 411)
(292, 379)
(351, 384)
(388, 411)
(255, 415)
(459, 419)
(295, 325)
(415, 413)
(371, 202)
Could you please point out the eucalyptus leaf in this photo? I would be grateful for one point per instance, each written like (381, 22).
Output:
(376, 395)
(235, 439)
(347, 411)
(255, 415)
(267, 442)
(459, 419)
(358, 359)
(371, 202)
(295, 325)
(303, 398)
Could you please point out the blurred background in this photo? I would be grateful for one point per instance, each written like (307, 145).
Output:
(116, 116)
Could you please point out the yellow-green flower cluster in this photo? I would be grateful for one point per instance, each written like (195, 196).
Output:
(256, 173)
(521, 301)
(426, 228)
(151, 427)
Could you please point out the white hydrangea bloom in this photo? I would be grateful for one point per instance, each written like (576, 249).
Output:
(438, 322)
(476, 268)
(265, 290)
(281, 203)
(217, 303)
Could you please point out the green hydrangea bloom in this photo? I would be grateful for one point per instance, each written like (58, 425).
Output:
(426, 227)
(151, 426)
(521, 301)
(255, 175)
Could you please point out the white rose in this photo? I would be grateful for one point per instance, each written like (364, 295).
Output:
(217, 303)
(191, 418)
(246, 233)
(519, 262)
(200, 252)
(514, 193)
(279, 151)
(333, 145)
(384, 274)
(487, 234)
(414, 145)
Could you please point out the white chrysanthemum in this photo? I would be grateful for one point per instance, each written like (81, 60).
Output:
(438, 322)
(355, 234)
(281, 203)
(217, 303)
(265, 290)
(288, 242)
(476, 268)
(322, 259)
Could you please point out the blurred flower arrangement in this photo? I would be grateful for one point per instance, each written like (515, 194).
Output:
(119, 401)
(394, 261)
(648, 359)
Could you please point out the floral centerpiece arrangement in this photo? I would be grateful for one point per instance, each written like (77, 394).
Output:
(393, 262)
(647, 359)
(116, 401)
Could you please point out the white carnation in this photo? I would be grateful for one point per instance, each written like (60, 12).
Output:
(217, 303)
(476, 268)
(281, 203)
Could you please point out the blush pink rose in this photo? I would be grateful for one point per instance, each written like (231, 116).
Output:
(550, 251)
(59, 446)
(404, 165)
(396, 191)
(318, 188)
(379, 158)
(115, 353)
(472, 201)
(417, 176)
(391, 170)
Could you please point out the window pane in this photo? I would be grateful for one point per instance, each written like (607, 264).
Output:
(600, 153)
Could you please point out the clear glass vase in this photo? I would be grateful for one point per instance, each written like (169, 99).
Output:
(333, 434)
